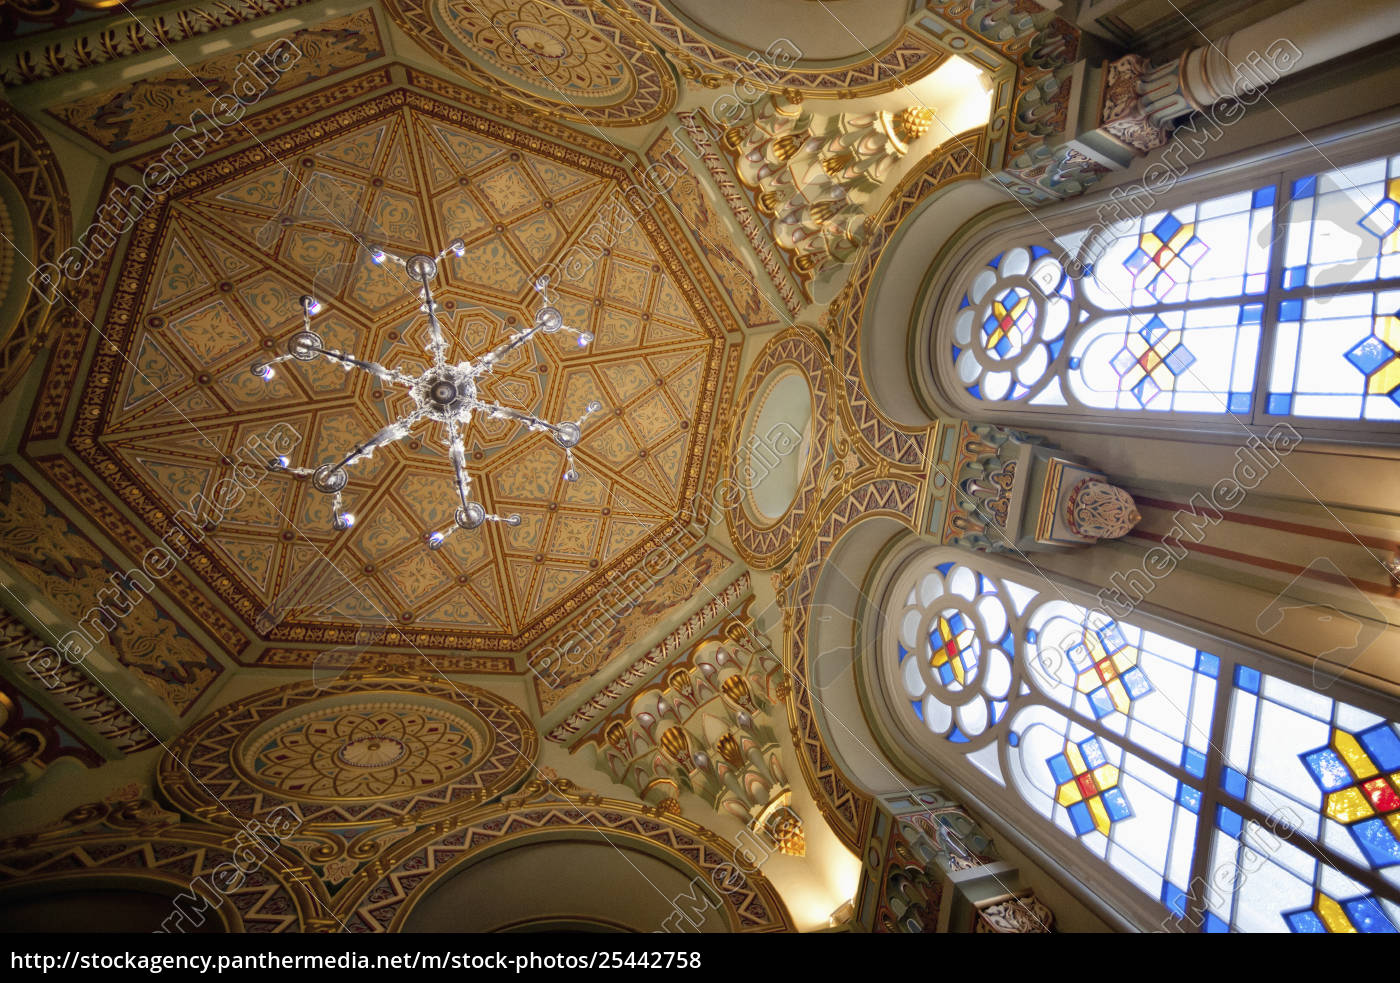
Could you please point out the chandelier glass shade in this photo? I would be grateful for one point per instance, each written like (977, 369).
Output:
(445, 393)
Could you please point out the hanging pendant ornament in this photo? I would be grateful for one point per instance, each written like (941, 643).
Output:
(445, 393)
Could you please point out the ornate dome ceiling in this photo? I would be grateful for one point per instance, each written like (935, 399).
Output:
(210, 282)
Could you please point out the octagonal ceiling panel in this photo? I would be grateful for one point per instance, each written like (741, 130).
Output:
(212, 284)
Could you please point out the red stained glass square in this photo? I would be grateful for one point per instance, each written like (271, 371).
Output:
(1382, 796)
(1087, 788)
(1106, 671)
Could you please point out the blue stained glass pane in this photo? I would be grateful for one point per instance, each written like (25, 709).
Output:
(1305, 922)
(1290, 310)
(1382, 220)
(1055, 347)
(1215, 925)
(996, 260)
(1039, 251)
(975, 392)
(1208, 664)
(1251, 313)
(956, 352)
(1240, 402)
(1382, 745)
(1116, 804)
(1167, 227)
(1294, 276)
(1101, 703)
(1014, 739)
(1233, 782)
(965, 302)
(1153, 330)
(1247, 679)
(1229, 821)
(1032, 635)
(1189, 797)
(958, 737)
(1280, 404)
(1304, 187)
(1367, 916)
(1136, 682)
(1093, 752)
(918, 709)
(1377, 842)
(1080, 819)
(1263, 197)
(1179, 359)
(1174, 898)
(1370, 354)
(1074, 363)
(943, 568)
(902, 651)
(1194, 762)
(1327, 769)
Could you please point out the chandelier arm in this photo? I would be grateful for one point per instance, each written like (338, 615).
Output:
(395, 431)
(437, 343)
(459, 466)
(374, 368)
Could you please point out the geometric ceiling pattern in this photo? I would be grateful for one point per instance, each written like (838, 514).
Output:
(216, 272)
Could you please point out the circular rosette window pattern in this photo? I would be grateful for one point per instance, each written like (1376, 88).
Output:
(350, 752)
(1010, 325)
(955, 651)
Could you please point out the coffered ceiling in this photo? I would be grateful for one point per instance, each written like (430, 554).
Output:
(210, 283)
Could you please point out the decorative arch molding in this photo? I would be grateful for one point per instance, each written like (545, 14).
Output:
(38, 224)
(844, 804)
(136, 844)
(891, 318)
(765, 542)
(961, 158)
(380, 896)
(499, 46)
(710, 62)
(1082, 280)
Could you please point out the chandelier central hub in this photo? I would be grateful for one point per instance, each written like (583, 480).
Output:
(445, 393)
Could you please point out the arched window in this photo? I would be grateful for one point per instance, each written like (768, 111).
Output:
(1276, 301)
(1215, 781)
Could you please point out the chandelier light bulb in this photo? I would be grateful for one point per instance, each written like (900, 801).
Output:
(444, 394)
(585, 339)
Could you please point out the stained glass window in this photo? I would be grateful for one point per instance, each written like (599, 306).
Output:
(1235, 797)
(1279, 301)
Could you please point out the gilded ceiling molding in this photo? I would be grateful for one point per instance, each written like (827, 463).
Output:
(379, 898)
(643, 668)
(663, 582)
(568, 58)
(156, 105)
(705, 134)
(653, 471)
(130, 842)
(30, 179)
(958, 159)
(127, 37)
(31, 740)
(765, 543)
(88, 703)
(712, 236)
(905, 59)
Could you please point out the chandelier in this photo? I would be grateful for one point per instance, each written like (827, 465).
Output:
(444, 393)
